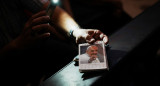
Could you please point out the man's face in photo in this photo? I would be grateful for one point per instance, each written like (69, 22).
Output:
(93, 52)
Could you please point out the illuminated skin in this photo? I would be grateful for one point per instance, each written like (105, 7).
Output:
(38, 28)
(65, 23)
(92, 51)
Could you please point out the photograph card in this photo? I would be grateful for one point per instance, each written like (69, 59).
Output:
(92, 57)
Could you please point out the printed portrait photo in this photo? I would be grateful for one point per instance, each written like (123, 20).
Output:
(91, 54)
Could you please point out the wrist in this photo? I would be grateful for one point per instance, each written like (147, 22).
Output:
(73, 32)
(71, 36)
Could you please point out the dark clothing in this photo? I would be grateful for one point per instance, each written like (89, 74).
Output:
(96, 15)
(13, 16)
(46, 58)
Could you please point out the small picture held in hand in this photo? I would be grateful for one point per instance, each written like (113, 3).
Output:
(92, 57)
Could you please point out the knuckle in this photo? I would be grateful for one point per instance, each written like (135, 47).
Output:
(98, 31)
(87, 36)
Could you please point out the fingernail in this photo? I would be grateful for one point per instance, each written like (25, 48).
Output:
(105, 40)
(48, 34)
(92, 39)
(101, 36)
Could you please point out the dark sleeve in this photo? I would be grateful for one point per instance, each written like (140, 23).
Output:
(33, 6)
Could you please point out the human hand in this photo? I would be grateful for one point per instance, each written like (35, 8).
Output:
(92, 58)
(89, 35)
(36, 28)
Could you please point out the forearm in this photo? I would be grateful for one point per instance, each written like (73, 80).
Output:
(64, 21)
(67, 25)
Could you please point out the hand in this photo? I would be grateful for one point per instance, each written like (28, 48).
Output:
(89, 35)
(92, 59)
(36, 28)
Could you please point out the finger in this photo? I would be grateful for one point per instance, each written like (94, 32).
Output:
(47, 28)
(91, 41)
(42, 36)
(105, 39)
(97, 34)
(41, 13)
(80, 39)
(41, 27)
(40, 20)
(90, 31)
(87, 37)
(101, 36)
(90, 34)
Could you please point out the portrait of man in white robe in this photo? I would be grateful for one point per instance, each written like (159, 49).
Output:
(90, 55)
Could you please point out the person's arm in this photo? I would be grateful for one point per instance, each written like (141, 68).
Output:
(68, 25)
(63, 20)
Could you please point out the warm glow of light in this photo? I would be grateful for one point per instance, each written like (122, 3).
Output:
(55, 1)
